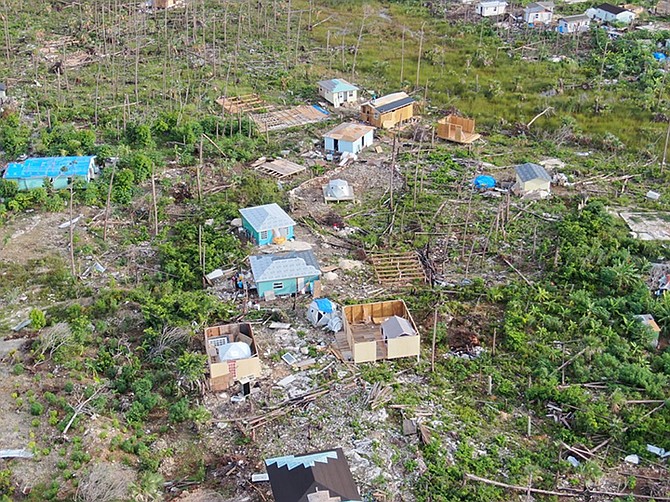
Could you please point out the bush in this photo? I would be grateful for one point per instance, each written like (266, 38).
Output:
(36, 408)
(38, 319)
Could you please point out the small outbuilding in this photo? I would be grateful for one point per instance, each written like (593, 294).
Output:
(573, 24)
(538, 13)
(388, 111)
(338, 191)
(321, 476)
(231, 354)
(532, 178)
(457, 129)
(396, 326)
(348, 137)
(338, 91)
(59, 171)
(282, 274)
(323, 313)
(608, 13)
(491, 8)
(267, 224)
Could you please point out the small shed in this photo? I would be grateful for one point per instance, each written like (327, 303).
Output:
(348, 137)
(395, 327)
(323, 313)
(338, 91)
(490, 8)
(267, 224)
(538, 13)
(532, 178)
(573, 24)
(337, 191)
(281, 274)
(388, 111)
(457, 129)
(60, 171)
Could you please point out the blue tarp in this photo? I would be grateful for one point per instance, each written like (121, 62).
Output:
(324, 305)
(484, 181)
(659, 56)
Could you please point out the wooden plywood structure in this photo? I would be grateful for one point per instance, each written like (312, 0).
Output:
(245, 104)
(279, 168)
(388, 111)
(223, 374)
(362, 328)
(398, 268)
(457, 129)
(292, 117)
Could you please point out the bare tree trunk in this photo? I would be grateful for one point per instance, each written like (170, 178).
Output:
(418, 61)
(107, 205)
(358, 43)
(74, 271)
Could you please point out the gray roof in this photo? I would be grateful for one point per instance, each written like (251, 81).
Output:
(338, 188)
(529, 171)
(280, 266)
(267, 217)
(612, 9)
(396, 326)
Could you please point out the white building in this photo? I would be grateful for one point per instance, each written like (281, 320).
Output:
(538, 13)
(348, 137)
(491, 8)
(573, 24)
(338, 91)
(608, 13)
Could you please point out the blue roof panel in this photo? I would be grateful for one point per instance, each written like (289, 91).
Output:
(43, 167)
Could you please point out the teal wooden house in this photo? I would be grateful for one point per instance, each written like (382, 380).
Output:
(282, 274)
(267, 224)
(60, 171)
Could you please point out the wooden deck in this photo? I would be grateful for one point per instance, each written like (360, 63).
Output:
(279, 168)
(283, 119)
(398, 268)
(245, 104)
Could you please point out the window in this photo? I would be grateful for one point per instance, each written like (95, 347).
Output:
(376, 115)
(278, 285)
(263, 235)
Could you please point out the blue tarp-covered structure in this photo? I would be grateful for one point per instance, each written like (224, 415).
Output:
(484, 182)
(32, 172)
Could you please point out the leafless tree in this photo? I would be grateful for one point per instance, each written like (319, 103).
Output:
(106, 482)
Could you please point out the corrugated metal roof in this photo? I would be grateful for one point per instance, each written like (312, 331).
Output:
(530, 171)
(612, 9)
(338, 189)
(280, 266)
(50, 167)
(267, 217)
(393, 105)
(337, 85)
(396, 326)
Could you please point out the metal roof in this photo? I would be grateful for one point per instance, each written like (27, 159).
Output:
(612, 9)
(575, 18)
(337, 85)
(338, 188)
(50, 167)
(280, 266)
(267, 217)
(530, 171)
(349, 131)
(396, 326)
(392, 105)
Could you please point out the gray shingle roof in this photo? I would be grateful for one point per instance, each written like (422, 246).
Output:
(396, 326)
(612, 9)
(280, 266)
(529, 171)
(267, 217)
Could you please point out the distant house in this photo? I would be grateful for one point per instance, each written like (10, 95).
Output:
(267, 224)
(382, 330)
(232, 355)
(348, 137)
(573, 24)
(3, 91)
(283, 274)
(532, 178)
(538, 13)
(491, 8)
(654, 329)
(338, 191)
(457, 129)
(608, 13)
(32, 172)
(338, 91)
(388, 111)
(321, 476)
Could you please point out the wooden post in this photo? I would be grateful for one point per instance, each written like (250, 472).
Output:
(529, 426)
(489, 386)
(72, 229)
(107, 205)
(155, 203)
(432, 353)
(493, 347)
(198, 173)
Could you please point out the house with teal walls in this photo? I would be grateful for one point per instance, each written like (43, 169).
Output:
(266, 224)
(282, 274)
(32, 172)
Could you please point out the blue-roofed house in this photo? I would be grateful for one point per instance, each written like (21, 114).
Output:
(282, 274)
(268, 223)
(32, 172)
(338, 91)
(321, 476)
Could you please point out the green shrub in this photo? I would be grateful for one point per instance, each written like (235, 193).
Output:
(38, 319)
(36, 408)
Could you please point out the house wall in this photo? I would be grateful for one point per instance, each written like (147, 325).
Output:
(452, 128)
(364, 352)
(490, 10)
(289, 286)
(386, 120)
(403, 346)
(537, 17)
(533, 185)
(338, 98)
(269, 235)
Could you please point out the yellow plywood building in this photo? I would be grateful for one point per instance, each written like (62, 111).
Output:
(457, 129)
(388, 111)
(381, 330)
(232, 355)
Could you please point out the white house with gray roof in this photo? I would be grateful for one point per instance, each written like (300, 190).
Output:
(282, 274)
(268, 223)
(532, 178)
(338, 91)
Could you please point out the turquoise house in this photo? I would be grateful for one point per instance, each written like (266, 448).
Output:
(32, 172)
(283, 274)
(267, 224)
